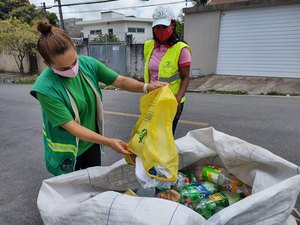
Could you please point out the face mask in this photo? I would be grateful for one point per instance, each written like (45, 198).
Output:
(68, 73)
(163, 34)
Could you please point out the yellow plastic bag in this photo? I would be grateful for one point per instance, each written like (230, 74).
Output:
(152, 139)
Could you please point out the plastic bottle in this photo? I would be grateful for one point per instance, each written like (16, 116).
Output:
(197, 191)
(221, 177)
(191, 176)
(181, 182)
(146, 192)
(208, 206)
(188, 203)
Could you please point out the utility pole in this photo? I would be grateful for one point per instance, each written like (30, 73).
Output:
(60, 15)
(44, 9)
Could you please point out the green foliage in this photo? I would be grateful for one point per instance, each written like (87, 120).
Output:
(106, 38)
(17, 38)
(180, 28)
(24, 11)
(199, 2)
(27, 80)
(238, 92)
(281, 94)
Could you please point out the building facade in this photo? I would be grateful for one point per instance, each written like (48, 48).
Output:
(73, 29)
(119, 25)
(253, 38)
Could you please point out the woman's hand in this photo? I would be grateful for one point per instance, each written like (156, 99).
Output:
(155, 85)
(118, 146)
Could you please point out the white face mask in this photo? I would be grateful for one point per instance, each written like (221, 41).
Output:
(68, 73)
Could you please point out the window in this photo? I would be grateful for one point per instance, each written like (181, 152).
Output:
(140, 30)
(136, 30)
(110, 31)
(131, 30)
(95, 32)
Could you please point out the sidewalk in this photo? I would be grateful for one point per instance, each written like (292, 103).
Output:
(251, 85)
(10, 78)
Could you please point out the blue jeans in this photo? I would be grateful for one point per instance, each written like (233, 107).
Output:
(175, 121)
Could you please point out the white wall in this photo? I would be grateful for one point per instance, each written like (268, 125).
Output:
(120, 28)
(8, 63)
(201, 32)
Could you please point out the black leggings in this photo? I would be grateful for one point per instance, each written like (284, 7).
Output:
(91, 157)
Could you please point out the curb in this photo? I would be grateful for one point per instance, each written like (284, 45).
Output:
(8, 80)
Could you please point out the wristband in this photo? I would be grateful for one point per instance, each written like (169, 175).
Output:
(145, 89)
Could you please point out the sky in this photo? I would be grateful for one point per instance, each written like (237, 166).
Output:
(128, 7)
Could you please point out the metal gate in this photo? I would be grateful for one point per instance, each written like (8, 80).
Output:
(112, 55)
(260, 42)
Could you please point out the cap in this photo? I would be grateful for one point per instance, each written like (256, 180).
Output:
(162, 16)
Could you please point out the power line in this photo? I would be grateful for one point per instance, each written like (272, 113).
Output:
(127, 7)
(83, 3)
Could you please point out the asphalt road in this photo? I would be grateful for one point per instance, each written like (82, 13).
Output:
(270, 122)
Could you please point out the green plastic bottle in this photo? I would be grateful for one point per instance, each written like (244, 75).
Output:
(197, 191)
(210, 205)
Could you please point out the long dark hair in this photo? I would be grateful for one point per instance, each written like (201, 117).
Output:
(173, 39)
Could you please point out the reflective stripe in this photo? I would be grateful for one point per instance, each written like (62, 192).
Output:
(170, 79)
(57, 147)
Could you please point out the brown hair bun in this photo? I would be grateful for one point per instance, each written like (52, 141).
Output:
(44, 27)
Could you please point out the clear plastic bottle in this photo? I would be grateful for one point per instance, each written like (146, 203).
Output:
(146, 192)
(181, 182)
(221, 177)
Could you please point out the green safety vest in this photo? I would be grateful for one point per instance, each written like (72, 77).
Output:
(61, 147)
(168, 66)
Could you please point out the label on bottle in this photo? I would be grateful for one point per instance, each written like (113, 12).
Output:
(206, 188)
(220, 199)
(232, 185)
(211, 174)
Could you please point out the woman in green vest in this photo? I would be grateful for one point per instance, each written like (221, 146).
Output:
(71, 103)
(167, 58)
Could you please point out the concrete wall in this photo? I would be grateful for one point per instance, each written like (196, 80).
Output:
(135, 60)
(201, 32)
(8, 63)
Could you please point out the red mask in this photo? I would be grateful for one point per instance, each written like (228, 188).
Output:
(163, 34)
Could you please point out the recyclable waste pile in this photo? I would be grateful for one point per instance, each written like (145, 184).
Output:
(204, 189)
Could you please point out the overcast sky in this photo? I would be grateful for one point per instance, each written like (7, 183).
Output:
(127, 7)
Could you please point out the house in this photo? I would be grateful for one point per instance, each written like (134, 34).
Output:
(252, 38)
(214, 2)
(119, 25)
(74, 30)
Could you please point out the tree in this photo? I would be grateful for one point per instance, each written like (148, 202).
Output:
(23, 10)
(180, 28)
(110, 37)
(17, 38)
(199, 2)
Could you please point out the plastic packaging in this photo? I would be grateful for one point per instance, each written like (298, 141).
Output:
(171, 195)
(210, 205)
(191, 177)
(182, 181)
(188, 203)
(221, 177)
(130, 192)
(197, 191)
(146, 192)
